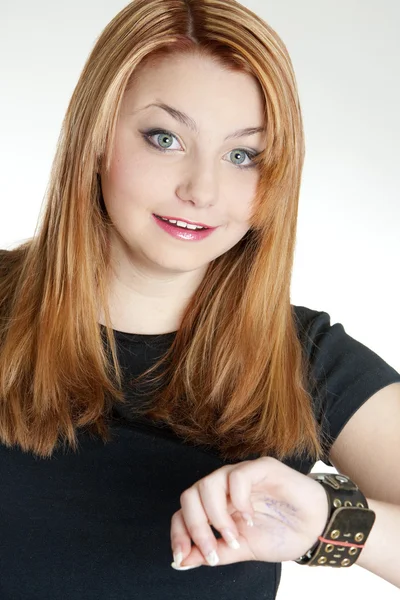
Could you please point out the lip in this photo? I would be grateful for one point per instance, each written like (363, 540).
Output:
(186, 221)
(183, 234)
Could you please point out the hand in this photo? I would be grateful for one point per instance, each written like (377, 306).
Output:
(289, 511)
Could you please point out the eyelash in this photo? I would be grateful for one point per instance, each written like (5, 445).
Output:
(149, 134)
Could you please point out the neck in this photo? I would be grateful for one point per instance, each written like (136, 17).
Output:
(148, 301)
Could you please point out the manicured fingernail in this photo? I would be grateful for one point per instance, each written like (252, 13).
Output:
(174, 566)
(230, 539)
(248, 519)
(178, 557)
(212, 558)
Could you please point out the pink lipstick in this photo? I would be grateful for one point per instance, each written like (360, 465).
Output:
(183, 233)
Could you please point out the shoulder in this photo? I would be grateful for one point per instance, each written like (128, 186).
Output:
(343, 372)
(8, 260)
(328, 345)
(310, 322)
(316, 332)
(5, 256)
(337, 358)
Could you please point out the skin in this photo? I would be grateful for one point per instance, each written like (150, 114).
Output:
(288, 512)
(199, 178)
(153, 275)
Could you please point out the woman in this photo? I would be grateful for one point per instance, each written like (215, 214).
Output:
(159, 393)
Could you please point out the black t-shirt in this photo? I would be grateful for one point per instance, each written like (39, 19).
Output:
(95, 524)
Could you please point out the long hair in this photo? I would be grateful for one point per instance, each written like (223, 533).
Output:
(235, 377)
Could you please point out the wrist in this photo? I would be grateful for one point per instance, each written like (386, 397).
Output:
(348, 526)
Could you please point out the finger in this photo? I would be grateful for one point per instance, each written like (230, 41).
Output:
(196, 521)
(214, 493)
(180, 539)
(243, 479)
(226, 555)
(188, 556)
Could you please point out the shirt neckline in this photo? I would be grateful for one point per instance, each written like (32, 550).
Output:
(140, 336)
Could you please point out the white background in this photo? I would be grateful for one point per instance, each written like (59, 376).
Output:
(346, 58)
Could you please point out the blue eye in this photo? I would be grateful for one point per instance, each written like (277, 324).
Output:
(163, 136)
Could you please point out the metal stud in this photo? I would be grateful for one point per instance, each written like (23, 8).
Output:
(322, 560)
(360, 505)
(348, 503)
(335, 534)
(341, 478)
(359, 537)
(345, 562)
(329, 547)
(337, 503)
(353, 551)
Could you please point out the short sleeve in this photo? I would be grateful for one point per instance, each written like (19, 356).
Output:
(343, 373)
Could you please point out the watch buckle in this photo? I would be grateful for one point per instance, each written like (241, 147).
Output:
(337, 481)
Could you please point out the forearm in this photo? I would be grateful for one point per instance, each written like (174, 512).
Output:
(381, 553)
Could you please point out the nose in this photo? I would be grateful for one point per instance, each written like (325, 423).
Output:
(199, 183)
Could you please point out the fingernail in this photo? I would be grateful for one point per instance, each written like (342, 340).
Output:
(178, 557)
(175, 566)
(212, 558)
(248, 519)
(230, 539)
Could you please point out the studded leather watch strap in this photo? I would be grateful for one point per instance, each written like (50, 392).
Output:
(349, 524)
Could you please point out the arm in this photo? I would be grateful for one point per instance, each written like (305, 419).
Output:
(368, 451)
(381, 552)
(289, 508)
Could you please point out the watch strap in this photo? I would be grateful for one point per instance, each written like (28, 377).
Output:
(348, 527)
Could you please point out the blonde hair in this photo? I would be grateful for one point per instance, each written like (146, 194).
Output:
(235, 377)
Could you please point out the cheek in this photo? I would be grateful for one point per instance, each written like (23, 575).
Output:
(131, 180)
(240, 197)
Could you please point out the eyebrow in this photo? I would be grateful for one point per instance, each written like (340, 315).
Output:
(191, 124)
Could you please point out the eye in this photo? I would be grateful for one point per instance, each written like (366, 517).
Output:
(250, 155)
(163, 137)
(164, 140)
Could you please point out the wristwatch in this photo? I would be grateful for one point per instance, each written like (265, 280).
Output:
(349, 524)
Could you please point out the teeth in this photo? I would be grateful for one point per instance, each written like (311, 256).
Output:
(182, 224)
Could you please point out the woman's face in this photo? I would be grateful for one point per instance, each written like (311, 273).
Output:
(198, 173)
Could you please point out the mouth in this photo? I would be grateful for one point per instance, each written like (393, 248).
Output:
(178, 221)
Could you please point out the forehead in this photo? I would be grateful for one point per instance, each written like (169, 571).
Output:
(197, 83)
